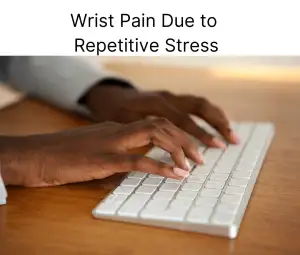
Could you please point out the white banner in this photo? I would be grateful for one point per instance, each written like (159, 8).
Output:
(150, 28)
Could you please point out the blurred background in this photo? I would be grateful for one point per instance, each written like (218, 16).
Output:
(271, 68)
(153, 72)
(289, 62)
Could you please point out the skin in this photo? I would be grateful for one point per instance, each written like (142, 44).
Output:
(101, 150)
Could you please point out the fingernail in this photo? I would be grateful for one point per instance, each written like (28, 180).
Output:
(180, 172)
(218, 143)
(235, 137)
(200, 156)
(187, 164)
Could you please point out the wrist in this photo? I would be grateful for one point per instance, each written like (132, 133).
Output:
(104, 93)
(102, 87)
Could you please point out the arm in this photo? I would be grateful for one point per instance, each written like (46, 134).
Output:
(59, 80)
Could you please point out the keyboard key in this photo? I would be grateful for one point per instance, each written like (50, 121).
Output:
(225, 164)
(230, 208)
(167, 159)
(137, 175)
(201, 149)
(191, 186)
(133, 205)
(238, 182)
(222, 170)
(115, 199)
(210, 193)
(196, 179)
(156, 176)
(246, 167)
(206, 201)
(107, 209)
(170, 180)
(199, 215)
(125, 190)
(145, 190)
(185, 194)
(219, 177)
(215, 184)
(234, 199)
(111, 204)
(212, 155)
(181, 204)
(152, 181)
(164, 195)
(241, 175)
(131, 182)
(201, 170)
(158, 204)
(168, 214)
(155, 153)
(169, 187)
(222, 218)
(235, 190)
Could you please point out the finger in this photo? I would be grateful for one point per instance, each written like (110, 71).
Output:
(127, 163)
(212, 114)
(161, 139)
(149, 132)
(128, 116)
(182, 139)
(163, 108)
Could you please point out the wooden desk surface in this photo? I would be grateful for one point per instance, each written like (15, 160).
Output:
(58, 220)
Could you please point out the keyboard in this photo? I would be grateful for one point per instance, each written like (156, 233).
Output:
(211, 200)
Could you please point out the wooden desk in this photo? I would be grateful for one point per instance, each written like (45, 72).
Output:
(58, 220)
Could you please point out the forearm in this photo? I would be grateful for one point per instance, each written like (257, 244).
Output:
(62, 81)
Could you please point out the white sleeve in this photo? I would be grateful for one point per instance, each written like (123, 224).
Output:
(59, 80)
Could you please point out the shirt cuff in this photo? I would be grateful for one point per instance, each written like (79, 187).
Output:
(59, 80)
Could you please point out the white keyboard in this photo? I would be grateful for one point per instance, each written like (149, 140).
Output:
(212, 200)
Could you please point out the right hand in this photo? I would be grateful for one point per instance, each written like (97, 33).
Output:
(96, 152)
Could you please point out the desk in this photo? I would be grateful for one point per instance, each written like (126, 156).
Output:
(58, 220)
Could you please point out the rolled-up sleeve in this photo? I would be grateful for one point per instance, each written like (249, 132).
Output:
(59, 80)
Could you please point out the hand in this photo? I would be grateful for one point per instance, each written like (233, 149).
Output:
(114, 103)
(94, 152)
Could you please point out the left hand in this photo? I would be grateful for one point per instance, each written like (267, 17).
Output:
(124, 105)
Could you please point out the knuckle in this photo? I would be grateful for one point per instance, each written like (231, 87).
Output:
(161, 121)
(177, 150)
(219, 109)
(191, 145)
(149, 125)
(165, 93)
(161, 166)
(136, 162)
(187, 124)
(202, 103)
(157, 98)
